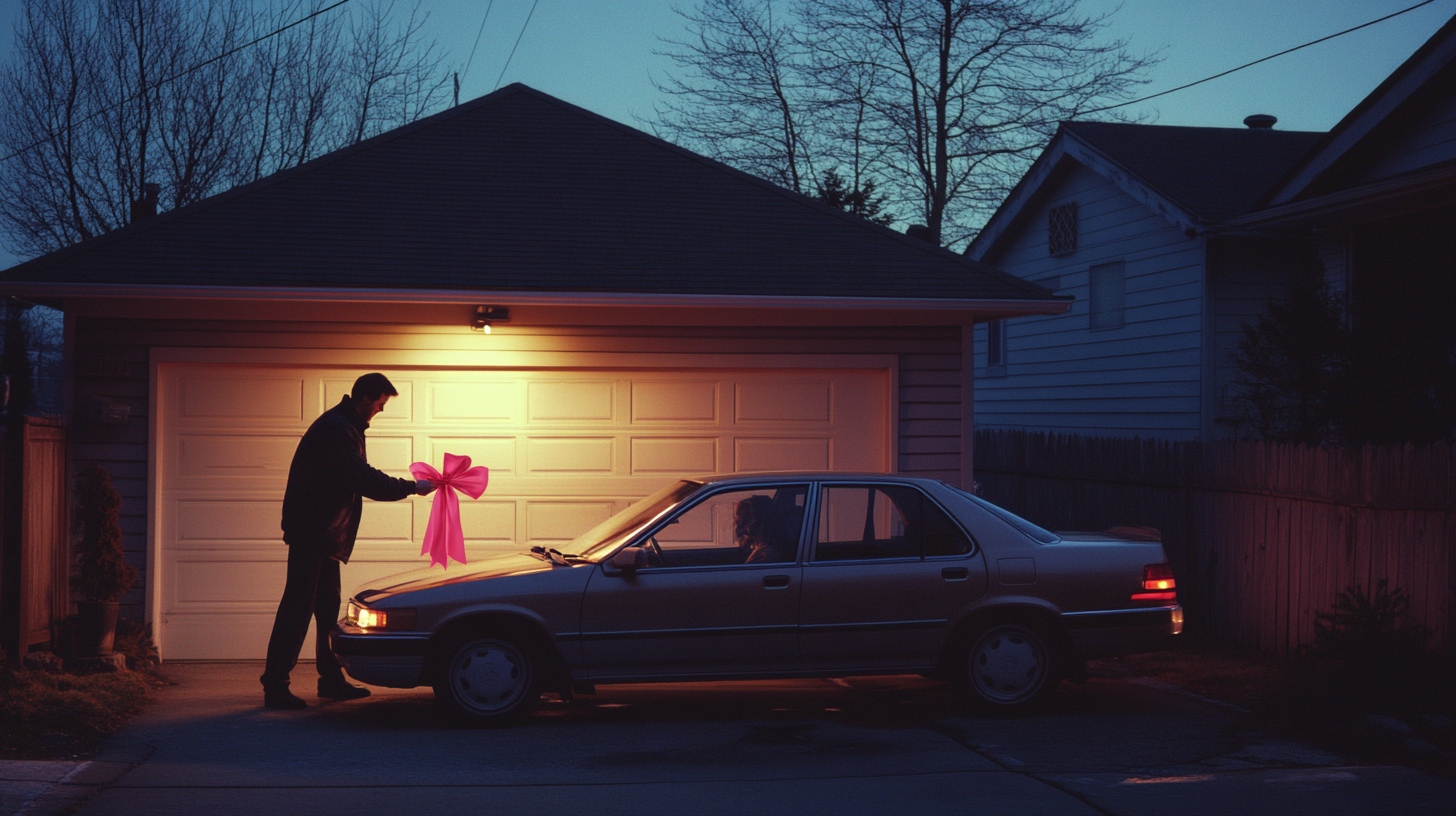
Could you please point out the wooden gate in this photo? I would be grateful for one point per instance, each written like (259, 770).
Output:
(33, 580)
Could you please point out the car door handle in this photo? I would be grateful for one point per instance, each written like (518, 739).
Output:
(775, 581)
(955, 573)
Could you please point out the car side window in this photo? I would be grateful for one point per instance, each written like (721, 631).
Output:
(758, 525)
(859, 522)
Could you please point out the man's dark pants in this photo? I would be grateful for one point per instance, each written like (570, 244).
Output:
(311, 591)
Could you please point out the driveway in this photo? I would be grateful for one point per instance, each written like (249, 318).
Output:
(859, 745)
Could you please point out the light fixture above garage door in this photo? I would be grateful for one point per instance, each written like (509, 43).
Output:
(486, 315)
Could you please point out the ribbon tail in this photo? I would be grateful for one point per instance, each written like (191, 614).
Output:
(455, 533)
(437, 531)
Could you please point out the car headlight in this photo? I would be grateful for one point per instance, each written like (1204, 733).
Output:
(366, 618)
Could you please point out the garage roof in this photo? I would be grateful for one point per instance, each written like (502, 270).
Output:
(520, 191)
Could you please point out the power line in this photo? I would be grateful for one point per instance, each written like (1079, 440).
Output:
(1257, 61)
(523, 33)
(488, 7)
(199, 66)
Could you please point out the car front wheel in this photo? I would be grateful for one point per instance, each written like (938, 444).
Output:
(1008, 667)
(488, 679)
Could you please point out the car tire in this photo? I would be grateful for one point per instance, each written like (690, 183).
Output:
(1008, 667)
(488, 680)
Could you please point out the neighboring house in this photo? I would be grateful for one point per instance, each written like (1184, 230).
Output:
(654, 313)
(1170, 238)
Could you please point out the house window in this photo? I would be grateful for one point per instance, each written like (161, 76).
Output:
(1105, 296)
(1062, 229)
(995, 344)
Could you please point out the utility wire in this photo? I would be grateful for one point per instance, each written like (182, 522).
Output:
(199, 66)
(523, 33)
(488, 7)
(1257, 61)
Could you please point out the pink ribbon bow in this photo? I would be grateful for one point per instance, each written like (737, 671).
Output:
(443, 537)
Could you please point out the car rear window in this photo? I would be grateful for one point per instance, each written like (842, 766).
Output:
(1026, 528)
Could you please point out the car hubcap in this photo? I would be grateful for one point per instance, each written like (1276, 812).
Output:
(1008, 664)
(489, 676)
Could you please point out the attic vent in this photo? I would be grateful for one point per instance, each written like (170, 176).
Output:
(1062, 229)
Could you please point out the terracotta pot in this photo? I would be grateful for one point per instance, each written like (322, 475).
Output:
(96, 629)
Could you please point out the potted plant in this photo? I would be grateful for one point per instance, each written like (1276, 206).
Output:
(101, 575)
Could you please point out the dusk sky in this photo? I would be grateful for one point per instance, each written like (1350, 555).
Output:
(599, 53)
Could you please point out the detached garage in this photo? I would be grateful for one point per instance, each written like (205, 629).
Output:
(654, 314)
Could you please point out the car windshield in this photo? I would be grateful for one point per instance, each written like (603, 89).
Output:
(605, 537)
(1026, 528)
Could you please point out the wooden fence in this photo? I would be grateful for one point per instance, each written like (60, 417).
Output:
(34, 543)
(1262, 536)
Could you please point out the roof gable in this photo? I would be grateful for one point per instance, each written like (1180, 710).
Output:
(519, 191)
(1375, 126)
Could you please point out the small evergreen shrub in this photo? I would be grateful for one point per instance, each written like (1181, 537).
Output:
(101, 573)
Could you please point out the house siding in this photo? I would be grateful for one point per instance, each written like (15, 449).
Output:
(928, 439)
(1142, 379)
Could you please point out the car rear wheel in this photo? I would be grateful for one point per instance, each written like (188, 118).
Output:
(488, 679)
(1008, 667)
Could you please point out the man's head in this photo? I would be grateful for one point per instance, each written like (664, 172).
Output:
(371, 392)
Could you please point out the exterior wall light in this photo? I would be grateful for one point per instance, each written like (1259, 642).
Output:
(486, 315)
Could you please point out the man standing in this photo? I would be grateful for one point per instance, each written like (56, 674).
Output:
(327, 481)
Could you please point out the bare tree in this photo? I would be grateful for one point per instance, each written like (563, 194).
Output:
(943, 104)
(103, 99)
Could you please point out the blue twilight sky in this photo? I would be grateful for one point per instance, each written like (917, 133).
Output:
(599, 53)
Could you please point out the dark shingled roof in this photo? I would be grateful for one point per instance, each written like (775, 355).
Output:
(1213, 173)
(519, 191)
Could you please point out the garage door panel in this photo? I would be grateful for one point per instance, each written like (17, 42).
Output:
(807, 401)
(496, 453)
(491, 401)
(389, 520)
(233, 456)
(200, 520)
(690, 402)
(243, 397)
(571, 401)
(674, 455)
(565, 450)
(557, 521)
(753, 455)
(570, 455)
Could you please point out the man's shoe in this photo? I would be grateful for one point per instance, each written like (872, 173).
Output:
(341, 690)
(284, 699)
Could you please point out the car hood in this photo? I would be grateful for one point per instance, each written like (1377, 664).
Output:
(500, 566)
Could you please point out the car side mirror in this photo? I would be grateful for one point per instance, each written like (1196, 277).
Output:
(630, 560)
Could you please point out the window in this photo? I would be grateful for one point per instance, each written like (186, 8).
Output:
(1062, 229)
(1105, 295)
(996, 344)
(863, 522)
(746, 526)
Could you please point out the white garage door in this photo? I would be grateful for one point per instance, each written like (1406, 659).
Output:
(565, 449)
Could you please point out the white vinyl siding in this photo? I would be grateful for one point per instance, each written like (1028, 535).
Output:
(1143, 379)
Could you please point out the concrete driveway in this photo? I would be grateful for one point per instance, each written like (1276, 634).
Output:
(860, 745)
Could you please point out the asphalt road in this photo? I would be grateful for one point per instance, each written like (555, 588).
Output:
(860, 745)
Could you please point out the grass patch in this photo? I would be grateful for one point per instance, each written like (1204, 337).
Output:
(60, 716)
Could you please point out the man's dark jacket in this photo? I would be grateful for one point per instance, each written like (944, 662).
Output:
(327, 482)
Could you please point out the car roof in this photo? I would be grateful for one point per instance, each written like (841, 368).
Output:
(809, 475)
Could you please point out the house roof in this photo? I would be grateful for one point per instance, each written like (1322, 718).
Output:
(1195, 177)
(520, 191)
(1213, 173)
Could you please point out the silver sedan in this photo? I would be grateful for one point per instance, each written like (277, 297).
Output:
(771, 575)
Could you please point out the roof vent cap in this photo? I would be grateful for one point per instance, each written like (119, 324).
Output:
(1260, 121)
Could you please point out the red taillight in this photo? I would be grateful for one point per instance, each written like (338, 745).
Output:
(1158, 584)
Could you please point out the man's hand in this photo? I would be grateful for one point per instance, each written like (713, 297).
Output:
(424, 487)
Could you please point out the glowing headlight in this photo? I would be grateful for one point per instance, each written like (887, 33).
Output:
(366, 618)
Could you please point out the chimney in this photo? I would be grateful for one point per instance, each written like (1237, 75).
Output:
(1260, 121)
(146, 206)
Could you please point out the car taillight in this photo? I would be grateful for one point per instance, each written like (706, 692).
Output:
(1158, 584)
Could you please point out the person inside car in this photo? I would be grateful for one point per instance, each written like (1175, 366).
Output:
(752, 527)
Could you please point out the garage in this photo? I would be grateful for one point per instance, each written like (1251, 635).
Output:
(566, 447)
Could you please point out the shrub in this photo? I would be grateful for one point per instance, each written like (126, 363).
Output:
(102, 573)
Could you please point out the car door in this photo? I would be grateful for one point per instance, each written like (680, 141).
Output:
(699, 607)
(887, 569)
